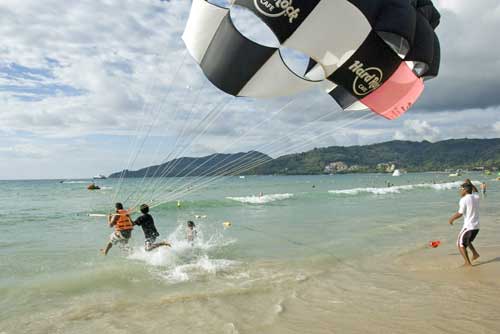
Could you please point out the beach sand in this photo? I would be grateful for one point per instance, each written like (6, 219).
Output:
(422, 291)
(426, 291)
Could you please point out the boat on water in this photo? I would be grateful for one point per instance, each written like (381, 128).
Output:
(396, 173)
(99, 177)
(456, 174)
(93, 186)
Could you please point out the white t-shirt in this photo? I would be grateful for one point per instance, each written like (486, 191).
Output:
(469, 207)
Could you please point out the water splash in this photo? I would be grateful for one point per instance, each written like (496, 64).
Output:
(187, 260)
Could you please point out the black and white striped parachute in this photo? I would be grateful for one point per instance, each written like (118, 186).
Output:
(371, 54)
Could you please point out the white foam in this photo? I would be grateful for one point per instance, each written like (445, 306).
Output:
(186, 260)
(73, 182)
(230, 328)
(398, 189)
(356, 191)
(261, 199)
(278, 308)
(202, 267)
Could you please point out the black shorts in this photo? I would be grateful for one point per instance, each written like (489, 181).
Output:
(466, 237)
(149, 241)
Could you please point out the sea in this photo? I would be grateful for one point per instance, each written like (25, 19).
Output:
(273, 254)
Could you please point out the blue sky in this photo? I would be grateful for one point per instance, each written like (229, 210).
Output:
(42, 81)
(81, 83)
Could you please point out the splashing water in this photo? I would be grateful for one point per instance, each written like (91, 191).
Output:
(187, 260)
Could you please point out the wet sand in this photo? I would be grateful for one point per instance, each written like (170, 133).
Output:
(421, 291)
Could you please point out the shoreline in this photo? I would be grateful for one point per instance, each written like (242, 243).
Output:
(262, 175)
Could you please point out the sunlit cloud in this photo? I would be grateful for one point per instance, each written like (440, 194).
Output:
(85, 81)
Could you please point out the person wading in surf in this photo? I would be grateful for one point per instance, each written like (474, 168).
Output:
(148, 227)
(469, 209)
(123, 228)
(483, 188)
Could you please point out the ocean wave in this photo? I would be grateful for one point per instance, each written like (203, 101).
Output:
(398, 189)
(261, 199)
(73, 182)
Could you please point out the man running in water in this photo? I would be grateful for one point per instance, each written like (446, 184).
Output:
(469, 209)
(148, 227)
(123, 228)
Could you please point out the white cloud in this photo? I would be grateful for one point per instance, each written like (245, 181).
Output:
(417, 130)
(127, 63)
(24, 151)
(496, 127)
(466, 7)
(116, 53)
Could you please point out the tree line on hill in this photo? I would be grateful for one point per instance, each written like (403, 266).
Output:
(411, 156)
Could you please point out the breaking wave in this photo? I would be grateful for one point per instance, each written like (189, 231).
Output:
(397, 189)
(261, 199)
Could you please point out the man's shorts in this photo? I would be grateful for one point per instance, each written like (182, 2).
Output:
(466, 237)
(120, 237)
(149, 242)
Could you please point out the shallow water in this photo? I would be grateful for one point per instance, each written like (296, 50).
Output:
(315, 254)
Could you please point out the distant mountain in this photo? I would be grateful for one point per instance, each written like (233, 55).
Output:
(384, 157)
(412, 156)
(215, 164)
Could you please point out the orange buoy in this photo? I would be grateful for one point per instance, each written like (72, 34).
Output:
(434, 244)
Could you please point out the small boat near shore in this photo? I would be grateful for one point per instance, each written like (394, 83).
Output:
(93, 186)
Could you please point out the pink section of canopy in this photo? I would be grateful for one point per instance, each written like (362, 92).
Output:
(397, 94)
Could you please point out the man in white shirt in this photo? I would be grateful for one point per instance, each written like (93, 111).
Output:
(469, 209)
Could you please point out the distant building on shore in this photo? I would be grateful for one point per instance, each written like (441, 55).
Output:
(336, 167)
(386, 167)
(357, 168)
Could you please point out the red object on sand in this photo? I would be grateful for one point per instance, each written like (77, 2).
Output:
(435, 243)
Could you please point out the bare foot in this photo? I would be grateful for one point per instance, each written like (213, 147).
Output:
(467, 265)
(475, 257)
(103, 252)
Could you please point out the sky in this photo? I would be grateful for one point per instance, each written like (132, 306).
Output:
(94, 86)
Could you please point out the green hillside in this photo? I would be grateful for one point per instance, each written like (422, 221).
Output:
(412, 156)
(384, 157)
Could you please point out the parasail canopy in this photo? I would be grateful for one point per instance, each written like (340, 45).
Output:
(374, 54)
